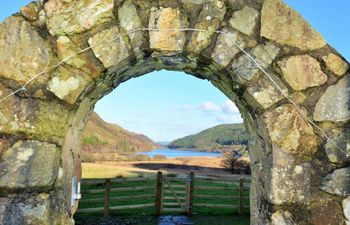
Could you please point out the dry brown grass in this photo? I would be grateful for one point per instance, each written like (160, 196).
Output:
(132, 168)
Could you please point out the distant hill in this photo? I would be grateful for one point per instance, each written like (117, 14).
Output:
(102, 137)
(219, 138)
(163, 143)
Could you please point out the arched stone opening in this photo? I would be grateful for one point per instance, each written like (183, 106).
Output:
(299, 176)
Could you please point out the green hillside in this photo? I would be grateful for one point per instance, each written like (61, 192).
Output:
(106, 139)
(219, 138)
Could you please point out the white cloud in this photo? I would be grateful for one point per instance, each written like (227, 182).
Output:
(210, 107)
(219, 113)
(229, 107)
(225, 118)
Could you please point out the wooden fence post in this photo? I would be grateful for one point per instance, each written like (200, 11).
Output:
(159, 193)
(190, 193)
(240, 196)
(107, 197)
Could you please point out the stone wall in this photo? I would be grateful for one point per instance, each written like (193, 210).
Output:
(299, 176)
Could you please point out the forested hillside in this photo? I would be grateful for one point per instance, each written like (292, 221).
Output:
(218, 138)
(103, 138)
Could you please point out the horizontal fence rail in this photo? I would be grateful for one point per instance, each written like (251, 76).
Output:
(165, 194)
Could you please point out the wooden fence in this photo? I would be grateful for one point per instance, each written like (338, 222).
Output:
(166, 194)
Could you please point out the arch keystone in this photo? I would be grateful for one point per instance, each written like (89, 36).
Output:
(167, 41)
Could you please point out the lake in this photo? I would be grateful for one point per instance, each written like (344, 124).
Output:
(173, 153)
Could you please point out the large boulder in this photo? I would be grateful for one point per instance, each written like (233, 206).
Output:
(45, 120)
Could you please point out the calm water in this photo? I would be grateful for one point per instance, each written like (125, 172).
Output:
(172, 153)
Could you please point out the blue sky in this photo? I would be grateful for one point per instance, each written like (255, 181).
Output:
(166, 105)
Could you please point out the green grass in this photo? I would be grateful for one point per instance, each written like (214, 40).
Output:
(202, 215)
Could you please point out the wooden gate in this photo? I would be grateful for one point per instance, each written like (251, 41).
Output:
(174, 194)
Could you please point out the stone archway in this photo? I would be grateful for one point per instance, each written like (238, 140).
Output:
(299, 176)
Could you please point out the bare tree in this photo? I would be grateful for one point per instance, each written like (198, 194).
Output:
(231, 160)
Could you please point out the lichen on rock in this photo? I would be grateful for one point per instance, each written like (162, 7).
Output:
(282, 24)
(289, 181)
(337, 182)
(168, 40)
(74, 17)
(68, 84)
(245, 20)
(227, 40)
(289, 131)
(334, 103)
(29, 164)
(246, 69)
(209, 20)
(67, 50)
(302, 72)
(336, 64)
(130, 21)
(282, 218)
(264, 92)
(24, 52)
(109, 47)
